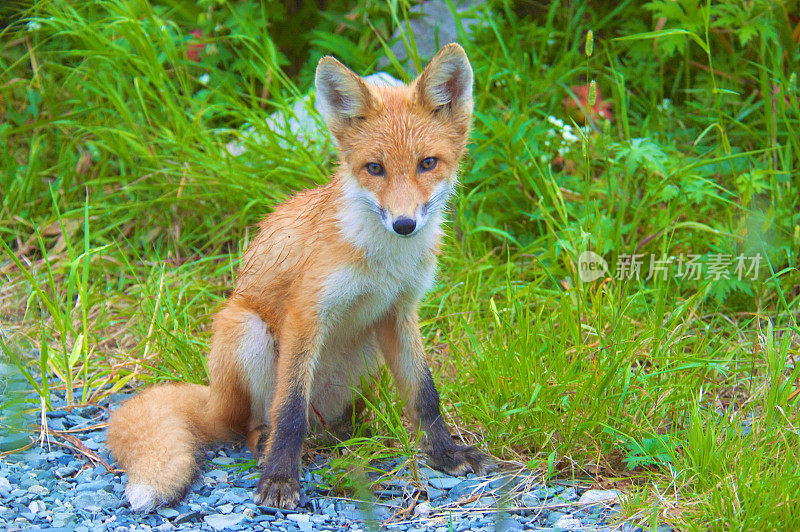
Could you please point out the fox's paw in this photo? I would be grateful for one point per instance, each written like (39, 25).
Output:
(280, 492)
(459, 460)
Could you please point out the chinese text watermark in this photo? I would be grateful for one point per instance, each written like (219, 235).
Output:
(640, 266)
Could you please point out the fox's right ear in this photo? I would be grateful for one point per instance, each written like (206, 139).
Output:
(446, 83)
(341, 94)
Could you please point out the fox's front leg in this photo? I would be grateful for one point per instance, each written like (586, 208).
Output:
(279, 485)
(402, 347)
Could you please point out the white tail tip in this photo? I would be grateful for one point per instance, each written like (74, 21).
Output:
(142, 498)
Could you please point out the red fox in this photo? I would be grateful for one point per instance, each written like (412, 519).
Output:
(327, 292)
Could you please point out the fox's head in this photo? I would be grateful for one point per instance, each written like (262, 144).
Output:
(399, 147)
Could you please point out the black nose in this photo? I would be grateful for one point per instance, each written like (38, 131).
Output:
(404, 226)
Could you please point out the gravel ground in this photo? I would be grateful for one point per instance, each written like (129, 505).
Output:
(72, 484)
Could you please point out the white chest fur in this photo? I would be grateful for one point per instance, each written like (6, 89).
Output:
(355, 296)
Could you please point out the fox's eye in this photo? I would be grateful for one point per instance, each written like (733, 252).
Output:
(428, 163)
(375, 169)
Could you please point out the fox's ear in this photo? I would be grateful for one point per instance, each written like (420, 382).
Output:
(341, 94)
(446, 83)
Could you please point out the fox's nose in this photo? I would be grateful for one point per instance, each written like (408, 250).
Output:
(404, 226)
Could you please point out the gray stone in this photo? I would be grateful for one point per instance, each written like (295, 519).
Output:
(94, 485)
(28, 481)
(466, 487)
(569, 494)
(94, 502)
(444, 482)
(225, 509)
(222, 460)
(186, 518)
(39, 491)
(65, 471)
(398, 483)
(607, 497)
(508, 525)
(83, 501)
(237, 495)
(487, 501)
(36, 507)
(567, 522)
(63, 519)
(434, 494)
(217, 475)
(5, 487)
(169, 513)
(11, 442)
(529, 500)
(427, 473)
(554, 517)
(222, 521)
(423, 509)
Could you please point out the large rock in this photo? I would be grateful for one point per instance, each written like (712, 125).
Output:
(433, 26)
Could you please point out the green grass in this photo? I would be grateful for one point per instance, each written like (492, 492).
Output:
(122, 217)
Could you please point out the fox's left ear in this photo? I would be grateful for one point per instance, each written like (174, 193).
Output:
(341, 94)
(446, 83)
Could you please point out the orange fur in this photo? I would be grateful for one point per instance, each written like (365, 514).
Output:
(326, 290)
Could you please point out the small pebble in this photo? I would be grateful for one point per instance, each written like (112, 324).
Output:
(169, 513)
(529, 500)
(65, 471)
(37, 506)
(39, 491)
(5, 487)
(222, 521)
(423, 509)
(568, 522)
(444, 483)
(554, 517)
(434, 494)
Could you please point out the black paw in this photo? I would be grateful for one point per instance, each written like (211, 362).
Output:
(458, 461)
(278, 492)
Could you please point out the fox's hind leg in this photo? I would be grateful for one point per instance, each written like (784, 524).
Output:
(254, 351)
(257, 441)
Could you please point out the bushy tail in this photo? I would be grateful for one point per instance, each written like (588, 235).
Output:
(155, 436)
